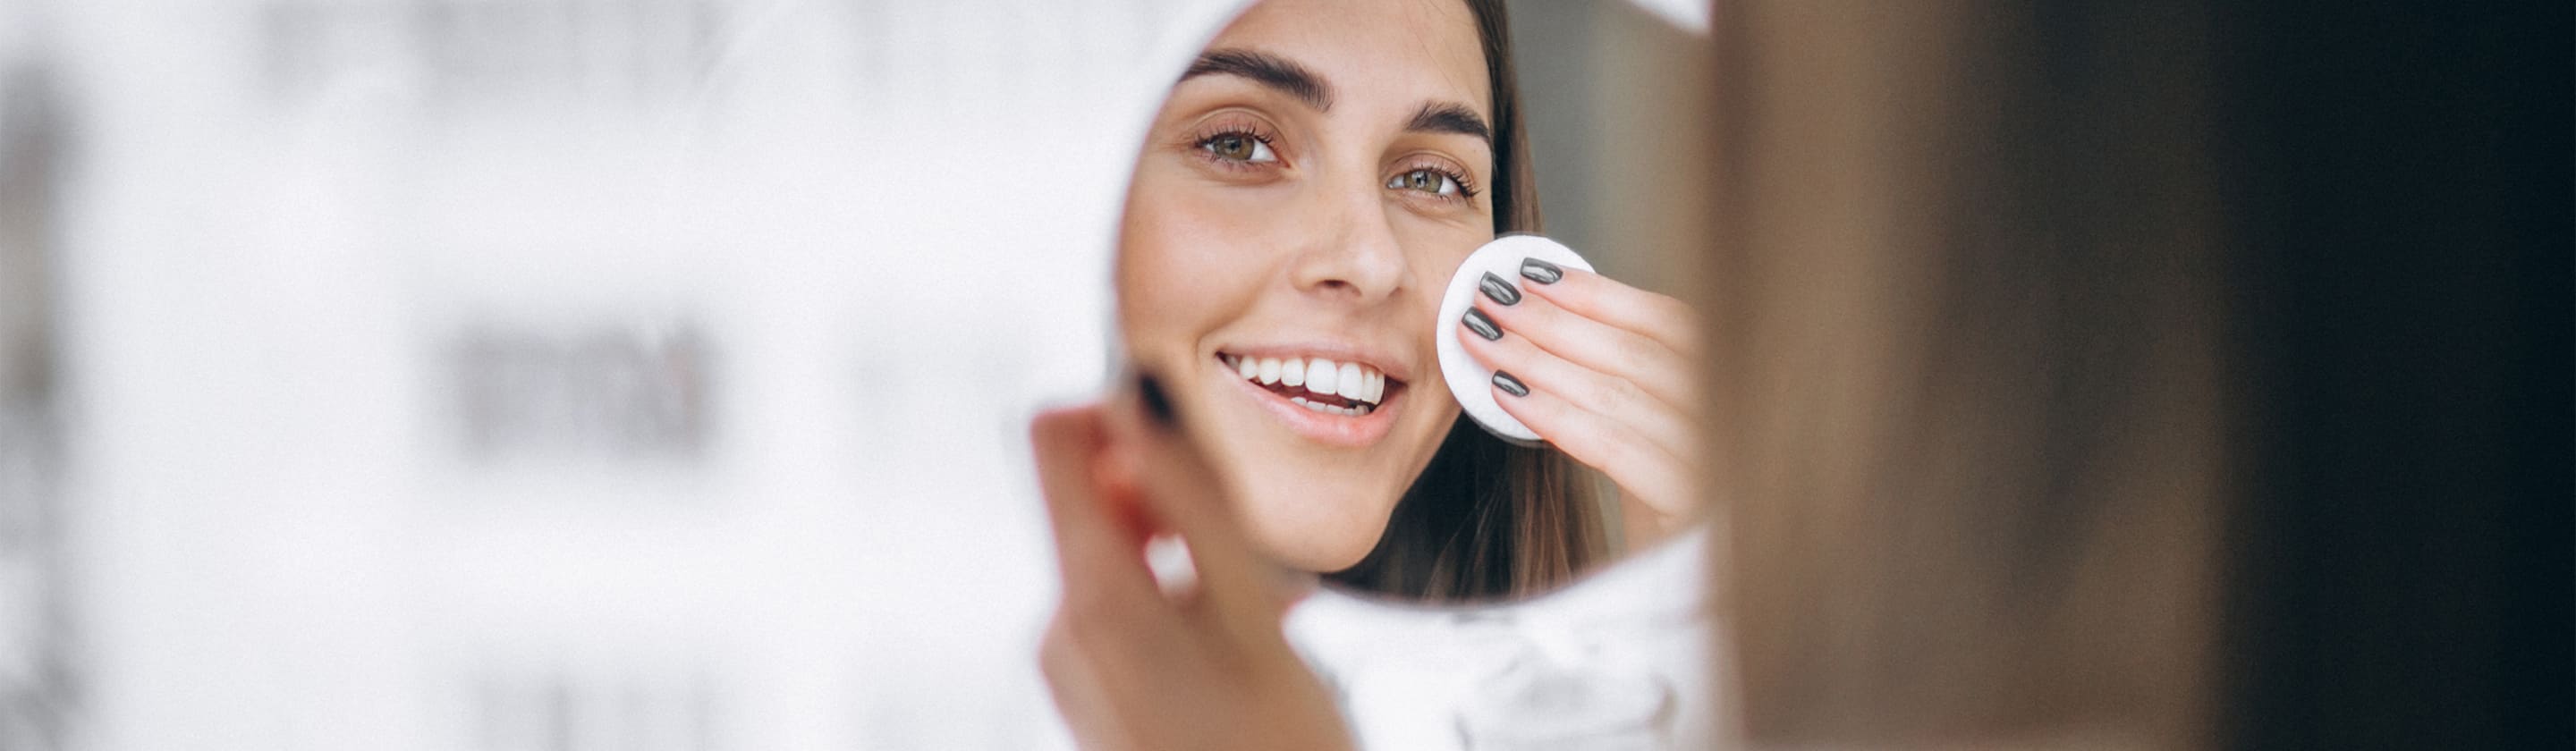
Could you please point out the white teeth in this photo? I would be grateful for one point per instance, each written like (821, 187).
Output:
(1325, 379)
(1330, 409)
(1318, 377)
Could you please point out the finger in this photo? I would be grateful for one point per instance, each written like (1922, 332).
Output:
(1075, 669)
(1603, 346)
(1609, 396)
(1600, 298)
(1098, 554)
(1600, 421)
(1648, 472)
(1183, 491)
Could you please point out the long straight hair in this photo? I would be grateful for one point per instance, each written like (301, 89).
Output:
(1488, 519)
(1969, 403)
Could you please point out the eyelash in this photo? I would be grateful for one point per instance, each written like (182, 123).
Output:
(1198, 144)
(1467, 190)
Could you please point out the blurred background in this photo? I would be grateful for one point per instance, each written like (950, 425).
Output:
(577, 375)
(589, 375)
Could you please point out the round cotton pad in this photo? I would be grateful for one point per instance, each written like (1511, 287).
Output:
(1470, 381)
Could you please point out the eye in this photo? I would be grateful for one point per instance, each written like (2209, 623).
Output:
(1427, 180)
(1238, 147)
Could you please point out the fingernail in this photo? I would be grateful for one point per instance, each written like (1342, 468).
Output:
(1157, 405)
(1497, 289)
(1483, 326)
(1509, 384)
(1540, 271)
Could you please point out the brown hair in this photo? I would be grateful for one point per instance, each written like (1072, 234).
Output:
(1967, 406)
(1488, 519)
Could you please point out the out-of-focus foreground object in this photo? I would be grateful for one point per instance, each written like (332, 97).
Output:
(38, 682)
(499, 375)
(2145, 375)
(1969, 331)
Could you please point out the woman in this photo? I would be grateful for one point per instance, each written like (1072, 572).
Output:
(1302, 198)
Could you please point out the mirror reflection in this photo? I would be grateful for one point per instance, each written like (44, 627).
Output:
(1302, 201)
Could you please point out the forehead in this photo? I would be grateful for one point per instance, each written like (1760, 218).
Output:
(1375, 53)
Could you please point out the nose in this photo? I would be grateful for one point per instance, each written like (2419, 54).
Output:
(1356, 255)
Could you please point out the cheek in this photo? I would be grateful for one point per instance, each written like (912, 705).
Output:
(1434, 253)
(1182, 268)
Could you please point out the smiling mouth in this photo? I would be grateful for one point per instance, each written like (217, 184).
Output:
(1318, 384)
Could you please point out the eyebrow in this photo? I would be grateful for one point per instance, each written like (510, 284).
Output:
(1293, 79)
(1451, 117)
(1269, 70)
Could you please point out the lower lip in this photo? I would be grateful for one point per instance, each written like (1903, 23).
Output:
(1351, 431)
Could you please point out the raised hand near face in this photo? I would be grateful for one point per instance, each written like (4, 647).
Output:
(1134, 664)
(1605, 372)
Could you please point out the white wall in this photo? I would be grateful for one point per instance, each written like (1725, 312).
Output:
(833, 254)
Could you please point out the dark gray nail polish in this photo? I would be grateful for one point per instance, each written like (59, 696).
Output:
(1483, 326)
(1498, 290)
(1509, 384)
(1541, 271)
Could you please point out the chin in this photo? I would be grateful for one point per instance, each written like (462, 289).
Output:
(1301, 533)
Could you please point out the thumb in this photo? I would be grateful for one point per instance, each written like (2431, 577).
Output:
(1240, 585)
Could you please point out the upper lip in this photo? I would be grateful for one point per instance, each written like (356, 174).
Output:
(1395, 370)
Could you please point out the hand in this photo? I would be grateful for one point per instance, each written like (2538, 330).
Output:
(1606, 372)
(1131, 665)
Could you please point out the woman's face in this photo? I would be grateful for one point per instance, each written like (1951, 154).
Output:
(1302, 199)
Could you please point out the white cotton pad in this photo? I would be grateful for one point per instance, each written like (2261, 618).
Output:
(1470, 381)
